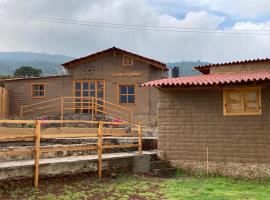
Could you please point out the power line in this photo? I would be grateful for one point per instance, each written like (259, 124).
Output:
(136, 27)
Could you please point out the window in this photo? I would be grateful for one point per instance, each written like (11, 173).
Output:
(127, 60)
(126, 93)
(38, 90)
(242, 101)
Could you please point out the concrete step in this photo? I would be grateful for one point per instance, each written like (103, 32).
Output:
(164, 172)
(160, 164)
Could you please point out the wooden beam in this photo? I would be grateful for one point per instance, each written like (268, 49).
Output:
(37, 153)
(127, 74)
(140, 138)
(100, 142)
(115, 146)
(68, 148)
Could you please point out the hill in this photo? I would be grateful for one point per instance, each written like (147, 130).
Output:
(10, 61)
(49, 64)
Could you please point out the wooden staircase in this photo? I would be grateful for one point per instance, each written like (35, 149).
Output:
(92, 108)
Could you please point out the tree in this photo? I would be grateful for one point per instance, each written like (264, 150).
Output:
(27, 71)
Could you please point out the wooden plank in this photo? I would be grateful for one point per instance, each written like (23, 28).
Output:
(115, 146)
(140, 139)
(127, 74)
(37, 153)
(51, 136)
(68, 148)
(17, 121)
(17, 152)
(100, 142)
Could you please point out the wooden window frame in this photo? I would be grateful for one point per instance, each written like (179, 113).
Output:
(244, 90)
(119, 93)
(124, 64)
(32, 90)
(89, 90)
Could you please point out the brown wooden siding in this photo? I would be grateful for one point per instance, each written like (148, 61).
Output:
(20, 91)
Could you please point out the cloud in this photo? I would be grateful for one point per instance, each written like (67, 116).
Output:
(75, 40)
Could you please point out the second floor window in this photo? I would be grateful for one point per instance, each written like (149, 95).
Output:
(127, 60)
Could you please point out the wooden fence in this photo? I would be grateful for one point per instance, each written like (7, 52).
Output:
(69, 105)
(4, 105)
(101, 132)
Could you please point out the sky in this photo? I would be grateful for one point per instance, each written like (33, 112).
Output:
(166, 30)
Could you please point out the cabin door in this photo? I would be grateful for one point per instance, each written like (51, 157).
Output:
(85, 89)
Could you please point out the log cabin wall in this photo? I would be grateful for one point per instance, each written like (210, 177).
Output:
(20, 91)
(110, 68)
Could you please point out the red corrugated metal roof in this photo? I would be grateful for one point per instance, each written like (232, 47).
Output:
(205, 68)
(211, 79)
(101, 53)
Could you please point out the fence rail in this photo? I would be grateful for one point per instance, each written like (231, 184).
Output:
(37, 133)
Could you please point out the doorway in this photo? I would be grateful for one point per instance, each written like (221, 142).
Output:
(83, 90)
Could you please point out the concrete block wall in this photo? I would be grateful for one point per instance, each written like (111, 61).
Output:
(189, 121)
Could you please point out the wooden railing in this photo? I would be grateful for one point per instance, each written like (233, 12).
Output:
(36, 134)
(69, 105)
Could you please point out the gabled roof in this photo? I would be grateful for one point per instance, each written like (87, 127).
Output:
(110, 50)
(205, 69)
(211, 79)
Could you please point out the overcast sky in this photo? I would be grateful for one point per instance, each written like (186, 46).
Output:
(17, 34)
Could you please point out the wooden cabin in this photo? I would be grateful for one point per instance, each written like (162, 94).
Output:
(217, 121)
(107, 81)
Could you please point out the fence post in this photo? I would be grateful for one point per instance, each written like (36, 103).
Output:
(62, 108)
(37, 152)
(21, 112)
(100, 141)
(140, 138)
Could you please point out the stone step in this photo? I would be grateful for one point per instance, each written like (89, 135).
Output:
(160, 164)
(164, 172)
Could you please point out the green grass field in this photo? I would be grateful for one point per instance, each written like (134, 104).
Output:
(132, 187)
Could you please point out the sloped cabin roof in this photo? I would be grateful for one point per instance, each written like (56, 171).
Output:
(205, 69)
(206, 79)
(94, 56)
(211, 79)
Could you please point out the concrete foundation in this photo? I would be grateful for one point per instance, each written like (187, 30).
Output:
(76, 164)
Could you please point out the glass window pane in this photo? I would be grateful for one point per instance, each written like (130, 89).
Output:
(78, 86)
(92, 85)
(251, 107)
(234, 97)
(78, 93)
(35, 93)
(123, 99)
(100, 85)
(131, 89)
(41, 87)
(123, 89)
(100, 94)
(131, 99)
(85, 86)
(234, 102)
(35, 87)
(251, 96)
(85, 93)
(41, 93)
(92, 93)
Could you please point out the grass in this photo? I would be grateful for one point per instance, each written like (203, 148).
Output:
(131, 187)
